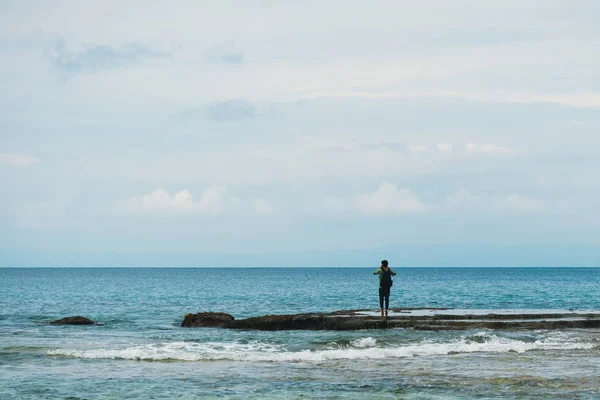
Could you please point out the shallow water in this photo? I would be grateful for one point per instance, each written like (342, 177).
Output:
(140, 351)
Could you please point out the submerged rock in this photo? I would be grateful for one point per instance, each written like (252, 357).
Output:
(422, 319)
(75, 320)
(207, 319)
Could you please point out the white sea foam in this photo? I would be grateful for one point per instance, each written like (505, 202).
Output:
(364, 348)
(364, 342)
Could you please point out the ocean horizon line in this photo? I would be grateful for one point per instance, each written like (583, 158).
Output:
(287, 266)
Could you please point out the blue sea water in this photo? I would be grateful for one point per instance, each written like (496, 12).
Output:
(140, 351)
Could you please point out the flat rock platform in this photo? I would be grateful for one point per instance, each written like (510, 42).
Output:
(415, 318)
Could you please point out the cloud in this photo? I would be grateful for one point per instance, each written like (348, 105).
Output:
(464, 200)
(418, 148)
(379, 145)
(470, 149)
(523, 203)
(262, 207)
(232, 110)
(226, 53)
(100, 57)
(386, 200)
(568, 99)
(444, 148)
(473, 148)
(576, 99)
(566, 204)
(213, 200)
(18, 160)
(225, 111)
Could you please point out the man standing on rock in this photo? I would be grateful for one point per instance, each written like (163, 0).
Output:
(385, 283)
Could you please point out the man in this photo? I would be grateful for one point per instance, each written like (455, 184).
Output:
(385, 283)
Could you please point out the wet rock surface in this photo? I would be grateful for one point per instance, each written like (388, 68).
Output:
(207, 319)
(74, 320)
(422, 319)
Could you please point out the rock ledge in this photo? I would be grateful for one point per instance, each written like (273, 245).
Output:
(421, 318)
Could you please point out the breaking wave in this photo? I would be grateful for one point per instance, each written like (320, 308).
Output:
(363, 348)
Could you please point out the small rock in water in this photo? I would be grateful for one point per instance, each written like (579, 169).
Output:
(207, 319)
(74, 320)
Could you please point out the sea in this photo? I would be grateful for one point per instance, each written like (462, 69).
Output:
(139, 351)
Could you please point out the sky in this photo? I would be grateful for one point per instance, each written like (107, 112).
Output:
(281, 133)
